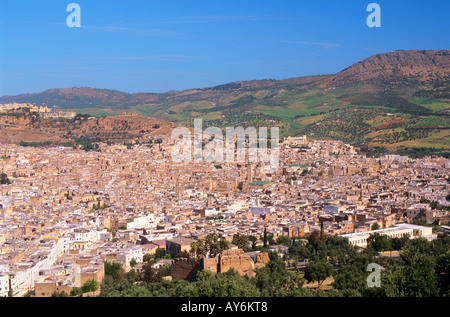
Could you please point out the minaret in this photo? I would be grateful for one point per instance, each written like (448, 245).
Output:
(249, 173)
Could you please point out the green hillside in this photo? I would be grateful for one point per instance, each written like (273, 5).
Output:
(404, 103)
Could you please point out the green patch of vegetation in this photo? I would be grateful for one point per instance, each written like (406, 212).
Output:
(4, 180)
(80, 117)
(148, 111)
(348, 125)
(432, 104)
(259, 183)
(87, 144)
(35, 144)
(433, 121)
(312, 259)
(423, 152)
(99, 206)
(235, 118)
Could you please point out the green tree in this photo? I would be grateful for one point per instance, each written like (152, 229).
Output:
(224, 245)
(284, 240)
(90, 286)
(147, 257)
(212, 244)
(60, 294)
(349, 277)
(316, 236)
(265, 238)
(159, 253)
(443, 273)
(198, 249)
(133, 262)
(337, 249)
(398, 243)
(379, 242)
(132, 275)
(352, 272)
(4, 180)
(183, 254)
(319, 252)
(76, 291)
(375, 226)
(115, 271)
(240, 240)
(273, 280)
(415, 274)
(228, 284)
(151, 274)
(300, 250)
(318, 272)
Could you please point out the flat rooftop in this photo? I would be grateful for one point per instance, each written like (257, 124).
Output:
(396, 227)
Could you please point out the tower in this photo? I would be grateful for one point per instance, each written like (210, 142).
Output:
(249, 173)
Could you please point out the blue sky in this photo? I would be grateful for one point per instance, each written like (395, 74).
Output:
(157, 46)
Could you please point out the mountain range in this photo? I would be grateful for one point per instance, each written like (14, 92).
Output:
(391, 100)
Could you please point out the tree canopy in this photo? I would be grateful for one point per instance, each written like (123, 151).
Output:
(422, 270)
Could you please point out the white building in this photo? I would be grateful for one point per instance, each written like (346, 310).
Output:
(398, 231)
(237, 206)
(21, 282)
(210, 212)
(22, 276)
(86, 235)
(396, 157)
(139, 222)
(125, 256)
(257, 211)
(296, 141)
(4, 285)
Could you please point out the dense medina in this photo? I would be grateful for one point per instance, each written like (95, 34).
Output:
(65, 211)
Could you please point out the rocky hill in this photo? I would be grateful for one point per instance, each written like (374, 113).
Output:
(418, 67)
(27, 128)
(413, 65)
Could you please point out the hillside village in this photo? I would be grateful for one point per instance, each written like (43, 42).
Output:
(43, 111)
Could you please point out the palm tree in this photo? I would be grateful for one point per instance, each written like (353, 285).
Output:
(198, 249)
(241, 241)
(224, 245)
(210, 243)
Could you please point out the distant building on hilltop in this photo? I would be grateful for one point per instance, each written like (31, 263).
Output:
(44, 111)
(296, 141)
(396, 157)
(59, 114)
(16, 106)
